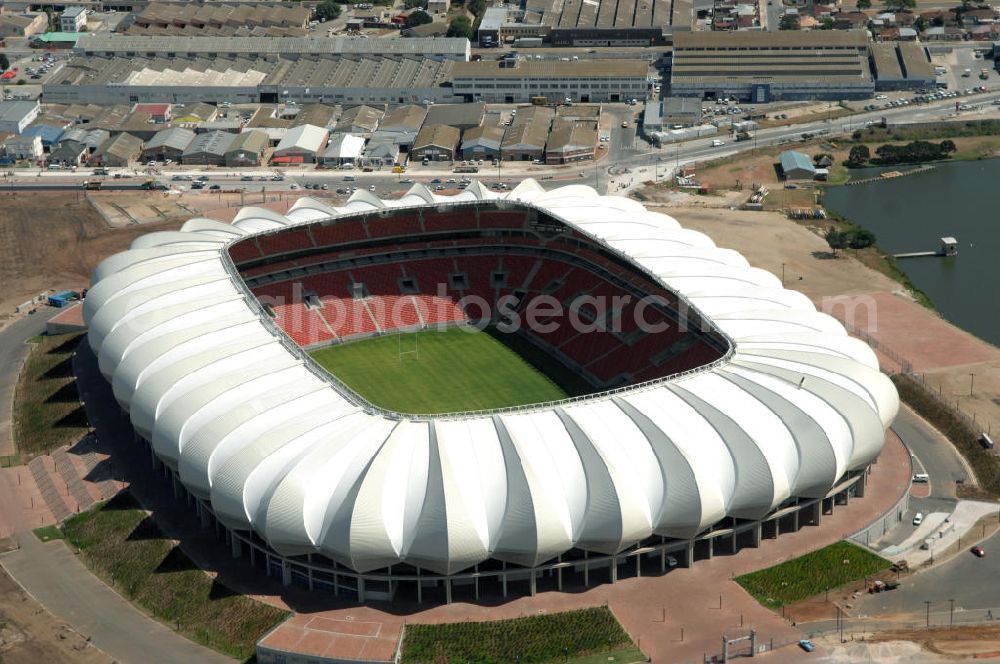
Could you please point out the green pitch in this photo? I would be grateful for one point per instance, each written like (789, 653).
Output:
(438, 372)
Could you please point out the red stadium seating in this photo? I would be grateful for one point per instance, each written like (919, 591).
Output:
(456, 220)
(244, 250)
(502, 219)
(339, 232)
(292, 239)
(408, 226)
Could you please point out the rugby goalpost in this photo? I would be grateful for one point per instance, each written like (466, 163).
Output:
(414, 351)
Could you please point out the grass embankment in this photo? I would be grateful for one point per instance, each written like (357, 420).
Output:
(123, 545)
(966, 439)
(47, 408)
(584, 636)
(438, 372)
(811, 574)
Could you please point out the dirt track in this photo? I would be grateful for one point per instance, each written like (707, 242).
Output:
(54, 240)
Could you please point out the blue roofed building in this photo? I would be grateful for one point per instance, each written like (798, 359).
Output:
(796, 165)
(50, 135)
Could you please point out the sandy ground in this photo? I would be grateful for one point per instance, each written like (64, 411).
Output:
(54, 241)
(769, 240)
(126, 209)
(29, 634)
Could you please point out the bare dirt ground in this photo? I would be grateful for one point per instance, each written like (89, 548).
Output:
(54, 240)
(770, 240)
(126, 209)
(980, 642)
(29, 634)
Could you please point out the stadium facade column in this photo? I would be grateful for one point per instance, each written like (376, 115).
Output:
(475, 581)
(795, 521)
(286, 573)
(638, 565)
(361, 590)
(503, 576)
(711, 547)
(614, 569)
(859, 486)
(732, 542)
(818, 507)
(689, 554)
(175, 485)
(586, 570)
(234, 545)
(420, 588)
(447, 590)
(310, 571)
(559, 575)
(531, 576)
(203, 514)
(758, 533)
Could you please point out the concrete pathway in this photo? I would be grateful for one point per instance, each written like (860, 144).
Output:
(63, 585)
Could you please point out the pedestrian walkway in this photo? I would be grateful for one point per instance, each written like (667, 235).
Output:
(944, 533)
(63, 585)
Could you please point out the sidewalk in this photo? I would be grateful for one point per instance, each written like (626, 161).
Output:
(945, 532)
(51, 574)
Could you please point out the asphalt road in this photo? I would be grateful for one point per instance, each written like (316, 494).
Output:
(969, 580)
(13, 350)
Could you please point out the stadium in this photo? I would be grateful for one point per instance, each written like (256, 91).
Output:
(469, 396)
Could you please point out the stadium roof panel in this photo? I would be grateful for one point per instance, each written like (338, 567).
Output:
(279, 446)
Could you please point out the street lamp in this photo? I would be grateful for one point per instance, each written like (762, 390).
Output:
(951, 613)
(928, 603)
(972, 383)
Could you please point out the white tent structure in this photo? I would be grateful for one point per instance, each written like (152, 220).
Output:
(268, 442)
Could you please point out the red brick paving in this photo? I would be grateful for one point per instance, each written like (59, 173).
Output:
(688, 598)
(918, 334)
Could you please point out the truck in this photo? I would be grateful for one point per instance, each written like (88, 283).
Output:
(743, 135)
(466, 169)
(539, 101)
(984, 74)
(398, 169)
(92, 185)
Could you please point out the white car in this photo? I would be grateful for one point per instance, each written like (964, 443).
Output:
(918, 518)
(717, 143)
(881, 97)
(293, 186)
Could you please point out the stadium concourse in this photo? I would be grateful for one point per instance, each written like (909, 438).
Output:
(721, 406)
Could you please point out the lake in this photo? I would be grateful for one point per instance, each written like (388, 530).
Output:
(960, 199)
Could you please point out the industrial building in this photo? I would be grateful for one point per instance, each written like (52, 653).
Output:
(211, 19)
(73, 19)
(343, 149)
(482, 142)
(15, 116)
(516, 80)
(765, 66)
(901, 66)
(22, 25)
(796, 165)
(110, 45)
(118, 151)
(300, 145)
(463, 116)
(247, 149)
(23, 147)
(525, 138)
(345, 80)
(358, 120)
(671, 113)
(586, 22)
(208, 149)
(571, 141)
(168, 144)
(436, 142)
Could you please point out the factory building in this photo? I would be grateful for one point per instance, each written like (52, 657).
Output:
(514, 80)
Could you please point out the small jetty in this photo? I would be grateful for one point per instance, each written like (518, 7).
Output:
(949, 247)
(891, 175)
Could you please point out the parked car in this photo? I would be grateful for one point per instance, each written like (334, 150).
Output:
(978, 551)
(215, 187)
(918, 518)
(807, 645)
(247, 178)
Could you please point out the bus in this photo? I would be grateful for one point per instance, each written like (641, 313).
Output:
(93, 185)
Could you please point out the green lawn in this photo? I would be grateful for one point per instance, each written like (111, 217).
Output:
(123, 545)
(452, 370)
(47, 533)
(811, 574)
(47, 409)
(586, 636)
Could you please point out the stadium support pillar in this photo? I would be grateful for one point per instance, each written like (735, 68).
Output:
(614, 569)
(503, 577)
(336, 584)
(711, 547)
(758, 533)
(447, 590)
(795, 521)
(203, 515)
(732, 540)
(559, 575)
(361, 591)
(286, 573)
(253, 555)
(420, 588)
(818, 509)
(175, 485)
(638, 565)
(532, 584)
(310, 571)
(859, 486)
(234, 545)
(475, 587)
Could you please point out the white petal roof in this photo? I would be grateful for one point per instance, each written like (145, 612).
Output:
(277, 446)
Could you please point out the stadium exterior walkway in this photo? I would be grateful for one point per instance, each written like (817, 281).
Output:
(51, 574)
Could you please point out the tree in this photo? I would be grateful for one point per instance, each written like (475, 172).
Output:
(896, 5)
(937, 21)
(4, 62)
(859, 156)
(416, 18)
(476, 7)
(460, 26)
(836, 239)
(920, 24)
(826, 23)
(947, 146)
(863, 5)
(327, 10)
(860, 238)
(789, 22)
